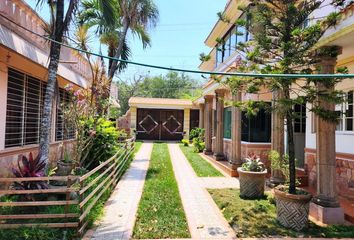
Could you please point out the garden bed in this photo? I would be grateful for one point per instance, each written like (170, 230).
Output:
(257, 218)
(200, 166)
(20, 219)
(160, 213)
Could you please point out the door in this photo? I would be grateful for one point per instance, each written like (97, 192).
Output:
(157, 124)
(299, 133)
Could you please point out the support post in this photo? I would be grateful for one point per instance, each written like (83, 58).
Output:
(208, 124)
(236, 159)
(325, 206)
(219, 140)
(201, 115)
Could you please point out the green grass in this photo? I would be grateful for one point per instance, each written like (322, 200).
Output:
(257, 218)
(160, 212)
(201, 166)
(28, 233)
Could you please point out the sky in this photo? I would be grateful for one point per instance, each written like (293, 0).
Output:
(176, 41)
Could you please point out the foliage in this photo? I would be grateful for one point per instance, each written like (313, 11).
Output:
(198, 145)
(253, 164)
(280, 163)
(31, 167)
(282, 43)
(197, 133)
(185, 142)
(200, 166)
(257, 219)
(171, 85)
(160, 213)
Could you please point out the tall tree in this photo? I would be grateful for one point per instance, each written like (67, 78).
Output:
(284, 43)
(61, 21)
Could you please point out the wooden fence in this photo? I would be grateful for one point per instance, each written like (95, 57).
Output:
(78, 196)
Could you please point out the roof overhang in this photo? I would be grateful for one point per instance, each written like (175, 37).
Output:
(160, 103)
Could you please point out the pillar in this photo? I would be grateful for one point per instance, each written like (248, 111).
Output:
(133, 119)
(201, 115)
(219, 134)
(325, 206)
(186, 123)
(208, 123)
(3, 100)
(236, 159)
(277, 138)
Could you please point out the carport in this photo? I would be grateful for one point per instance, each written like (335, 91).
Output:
(162, 118)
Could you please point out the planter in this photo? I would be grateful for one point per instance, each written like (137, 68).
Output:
(251, 183)
(64, 168)
(292, 210)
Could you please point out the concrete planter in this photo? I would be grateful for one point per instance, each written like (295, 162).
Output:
(64, 168)
(292, 210)
(251, 183)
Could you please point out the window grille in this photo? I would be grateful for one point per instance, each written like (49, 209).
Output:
(227, 123)
(63, 131)
(346, 113)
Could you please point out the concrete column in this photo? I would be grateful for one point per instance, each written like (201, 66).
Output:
(208, 123)
(201, 115)
(186, 123)
(277, 138)
(219, 135)
(3, 100)
(325, 205)
(236, 119)
(133, 119)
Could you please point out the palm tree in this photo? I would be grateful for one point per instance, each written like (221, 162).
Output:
(60, 23)
(138, 16)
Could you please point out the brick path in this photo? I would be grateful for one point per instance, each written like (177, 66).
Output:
(121, 208)
(205, 220)
(219, 182)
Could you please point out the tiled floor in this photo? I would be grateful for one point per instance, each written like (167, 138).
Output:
(205, 220)
(121, 208)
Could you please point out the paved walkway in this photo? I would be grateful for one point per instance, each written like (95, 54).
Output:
(219, 182)
(120, 210)
(205, 220)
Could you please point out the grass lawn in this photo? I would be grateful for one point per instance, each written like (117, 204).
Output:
(160, 213)
(257, 218)
(201, 166)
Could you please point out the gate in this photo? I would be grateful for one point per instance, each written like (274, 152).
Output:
(157, 124)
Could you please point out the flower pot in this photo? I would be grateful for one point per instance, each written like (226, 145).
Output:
(251, 183)
(292, 209)
(64, 168)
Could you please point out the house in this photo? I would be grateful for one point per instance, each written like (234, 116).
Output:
(23, 75)
(325, 156)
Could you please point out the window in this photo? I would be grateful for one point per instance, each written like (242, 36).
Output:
(62, 131)
(25, 96)
(346, 113)
(256, 128)
(227, 122)
(300, 118)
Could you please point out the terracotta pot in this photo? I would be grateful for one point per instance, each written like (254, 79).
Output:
(251, 183)
(64, 168)
(292, 210)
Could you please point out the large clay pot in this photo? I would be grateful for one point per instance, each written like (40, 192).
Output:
(292, 209)
(251, 183)
(64, 168)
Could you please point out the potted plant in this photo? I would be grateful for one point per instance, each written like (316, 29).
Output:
(252, 177)
(288, 203)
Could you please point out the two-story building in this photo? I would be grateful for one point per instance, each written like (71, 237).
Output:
(23, 75)
(231, 135)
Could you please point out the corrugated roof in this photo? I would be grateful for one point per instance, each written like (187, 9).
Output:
(133, 101)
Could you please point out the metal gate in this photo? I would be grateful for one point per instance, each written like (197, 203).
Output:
(157, 124)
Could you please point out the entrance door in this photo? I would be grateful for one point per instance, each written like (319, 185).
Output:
(157, 124)
(299, 133)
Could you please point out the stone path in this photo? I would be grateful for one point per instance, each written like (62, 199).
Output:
(205, 220)
(120, 210)
(219, 182)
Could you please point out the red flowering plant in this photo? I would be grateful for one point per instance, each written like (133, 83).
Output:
(29, 167)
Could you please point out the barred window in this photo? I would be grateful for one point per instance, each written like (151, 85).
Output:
(62, 131)
(23, 110)
(346, 113)
(227, 123)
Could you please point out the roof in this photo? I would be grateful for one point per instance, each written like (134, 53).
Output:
(160, 103)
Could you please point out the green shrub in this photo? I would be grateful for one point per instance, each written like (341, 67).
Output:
(185, 142)
(196, 133)
(198, 145)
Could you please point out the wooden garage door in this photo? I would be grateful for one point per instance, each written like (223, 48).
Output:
(157, 124)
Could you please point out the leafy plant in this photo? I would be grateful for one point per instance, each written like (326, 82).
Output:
(185, 142)
(253, 164)
(198, 145)
(197, 133)
(280, 164)
(67, 158)
(31, 167)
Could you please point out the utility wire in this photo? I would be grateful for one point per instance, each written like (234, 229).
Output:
(235, 74)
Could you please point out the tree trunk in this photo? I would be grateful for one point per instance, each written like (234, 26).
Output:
(54, 56)
(291, 146)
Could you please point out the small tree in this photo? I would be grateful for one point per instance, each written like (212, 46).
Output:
(282, 42)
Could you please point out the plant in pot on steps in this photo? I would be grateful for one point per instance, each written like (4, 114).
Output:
(65, 165)
(252, 177)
